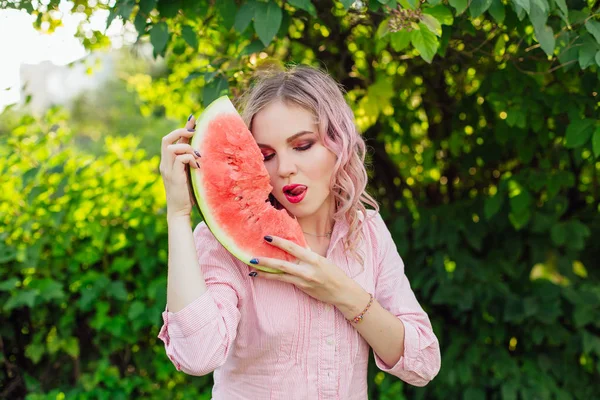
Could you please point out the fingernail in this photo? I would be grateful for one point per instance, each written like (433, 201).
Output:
(198, 165)
(196, 153)
(268, 238)
(253, 274)
(191, 130)
(190, 117)
(254, 261)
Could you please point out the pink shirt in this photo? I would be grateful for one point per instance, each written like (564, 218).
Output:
(268, 340)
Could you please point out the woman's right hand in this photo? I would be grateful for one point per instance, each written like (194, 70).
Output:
(176, 152)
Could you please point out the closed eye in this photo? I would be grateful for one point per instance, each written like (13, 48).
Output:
(301, 148)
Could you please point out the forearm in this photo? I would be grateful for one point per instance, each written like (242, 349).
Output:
(380, 328)
(185, 281)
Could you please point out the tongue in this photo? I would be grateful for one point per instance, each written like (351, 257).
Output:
(297, 190)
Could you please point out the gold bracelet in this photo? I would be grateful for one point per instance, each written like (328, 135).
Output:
(360, 316)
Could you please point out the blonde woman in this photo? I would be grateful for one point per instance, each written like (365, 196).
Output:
(307, 333)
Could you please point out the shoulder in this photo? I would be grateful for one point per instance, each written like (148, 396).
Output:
(374, 223)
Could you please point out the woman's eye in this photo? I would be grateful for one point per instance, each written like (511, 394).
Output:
(268, 157)
(304, 148)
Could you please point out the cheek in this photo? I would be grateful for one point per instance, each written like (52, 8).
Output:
(321, 166)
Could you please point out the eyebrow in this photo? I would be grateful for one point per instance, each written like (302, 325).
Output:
(290, 139)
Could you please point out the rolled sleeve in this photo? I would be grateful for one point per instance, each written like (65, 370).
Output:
(199, 337)
(421, 360)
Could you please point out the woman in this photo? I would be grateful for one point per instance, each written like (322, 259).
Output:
(304, 334)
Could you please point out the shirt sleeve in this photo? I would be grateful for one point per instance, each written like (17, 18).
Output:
(421, 361)
(199, 338)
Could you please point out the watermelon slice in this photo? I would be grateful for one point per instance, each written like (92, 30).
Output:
(232, 187)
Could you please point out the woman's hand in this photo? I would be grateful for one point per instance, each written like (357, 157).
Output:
(313, 274)
(175, 154)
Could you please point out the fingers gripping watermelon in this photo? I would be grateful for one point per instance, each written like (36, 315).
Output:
(232, 187)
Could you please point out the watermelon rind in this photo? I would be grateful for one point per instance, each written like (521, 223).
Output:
(220, 106)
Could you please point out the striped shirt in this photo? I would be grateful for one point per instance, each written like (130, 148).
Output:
(267, 339)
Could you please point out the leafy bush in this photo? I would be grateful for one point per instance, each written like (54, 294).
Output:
(83, 269)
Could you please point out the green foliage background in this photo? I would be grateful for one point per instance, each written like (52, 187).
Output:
(481, 121)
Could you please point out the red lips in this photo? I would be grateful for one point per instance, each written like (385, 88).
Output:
(294, 193)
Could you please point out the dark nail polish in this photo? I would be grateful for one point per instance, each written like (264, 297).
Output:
(254, 261)
(268, 238)
(198, 165)
(190, 117)
(253, 274)
(196, 153)
(191, 130)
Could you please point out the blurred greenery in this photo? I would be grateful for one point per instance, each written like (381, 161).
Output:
(481, 121)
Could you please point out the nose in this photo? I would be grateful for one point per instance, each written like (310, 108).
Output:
(286, 166)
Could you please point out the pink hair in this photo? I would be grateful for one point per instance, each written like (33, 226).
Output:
(319, 93)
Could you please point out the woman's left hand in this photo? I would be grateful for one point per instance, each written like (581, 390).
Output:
(311, 273)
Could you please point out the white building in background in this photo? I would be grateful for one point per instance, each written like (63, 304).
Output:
(49, 84)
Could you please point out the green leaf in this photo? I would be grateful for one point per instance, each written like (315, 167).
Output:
(425, 42)
(524, 4)
(213, 90)
(252, 48)
(8, 284)
(441, 13)
(521, 201)
(459, 5)
(562, 5)
(598, 58)
(383, 28)
(558, 234)
(478, 7)
(412, 4)
(71, 346)
(159, 36)
(500, 46)
(147, 5)
(545, 35)
(188, 34)
(125, 9)
(587, 52)
(34, 352)
(21, 298)
(591, 343)
(137, 308)
(578, 133)
(48, 289)
(228, 10)
(305, 5)
(492, 205)
(244, 16)
(347, 3)
(542, 5)
(400, 40)
(593, 27)
(432, 23)
(140, 24)
(117, 290)
(497, 11)
(596, 141)
(267, 20)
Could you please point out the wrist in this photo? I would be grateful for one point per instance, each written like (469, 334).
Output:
(352, 301)
(178, 218)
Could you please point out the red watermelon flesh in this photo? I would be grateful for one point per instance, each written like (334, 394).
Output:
(232, 187)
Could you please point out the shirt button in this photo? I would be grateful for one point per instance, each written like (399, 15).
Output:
(330, 342)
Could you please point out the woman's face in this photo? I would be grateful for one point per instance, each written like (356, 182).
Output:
(294, 155)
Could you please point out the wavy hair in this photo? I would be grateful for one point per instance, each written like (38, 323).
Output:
(316, 91)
